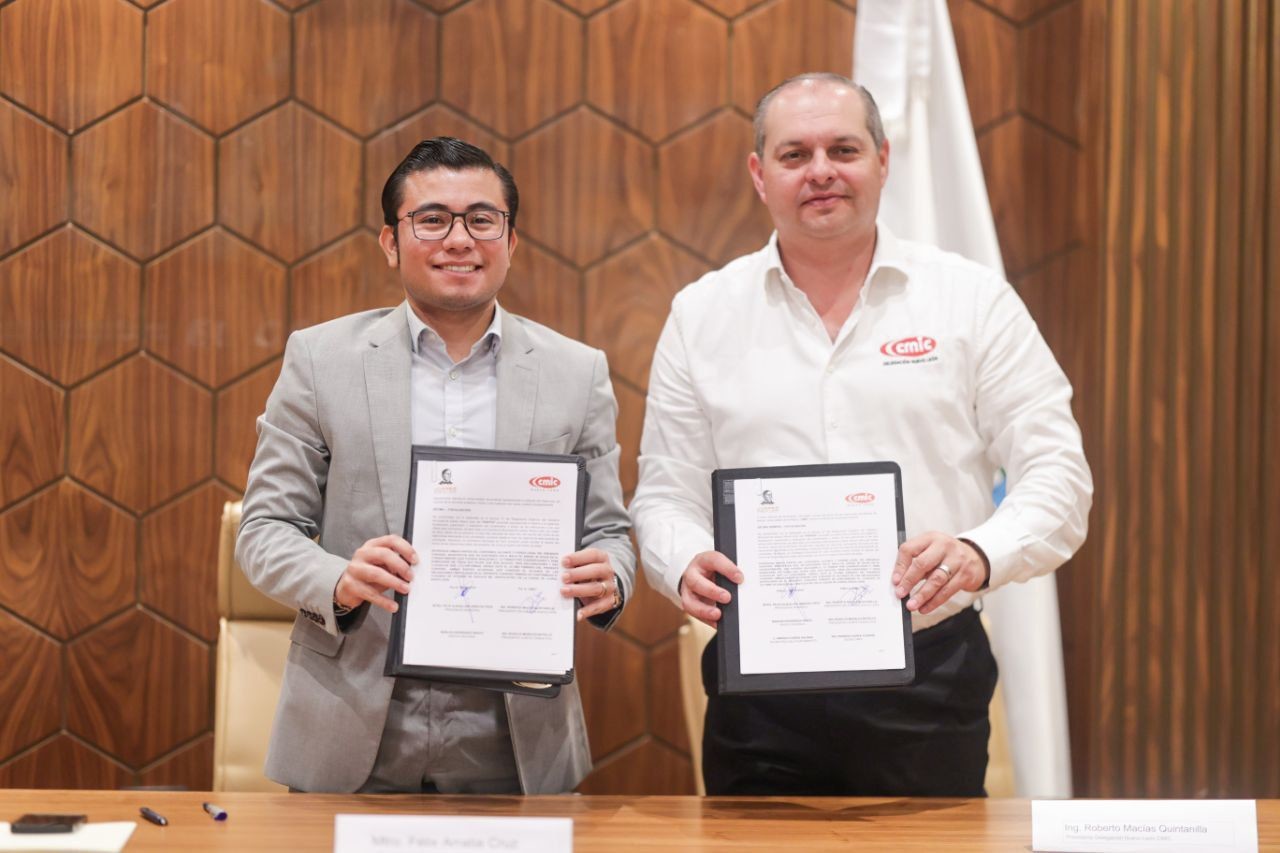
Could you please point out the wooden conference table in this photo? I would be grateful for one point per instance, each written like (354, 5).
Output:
(304, 822)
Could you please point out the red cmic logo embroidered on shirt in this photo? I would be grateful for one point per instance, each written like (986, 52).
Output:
(860, 498)
(912, 347)
(546, 481)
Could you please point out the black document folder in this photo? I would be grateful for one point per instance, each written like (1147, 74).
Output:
(529, 683)
(732, 679)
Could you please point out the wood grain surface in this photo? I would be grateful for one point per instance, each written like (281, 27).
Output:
(33, 175)
(304, 822)
(138, 688)
(150, 200)
(71, 87)
(657, 66)
(218, 61)
(289, 182)
(365, 63)
(31, 431)
(69, 559)
(511, 64)
(36, 288)
(143, 433)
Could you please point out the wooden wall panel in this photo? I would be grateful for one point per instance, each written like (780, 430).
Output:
(216, 203)
(1184, 515)
(532, 65)
(148, 201)
(657, 65)
(218, 61)
(71, 87)
(33, 175)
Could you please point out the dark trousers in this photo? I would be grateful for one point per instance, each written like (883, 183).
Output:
(928, 739)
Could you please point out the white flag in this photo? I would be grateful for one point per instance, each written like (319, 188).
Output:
(905, 54)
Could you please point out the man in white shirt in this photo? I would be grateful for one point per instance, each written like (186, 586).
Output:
(838, 342)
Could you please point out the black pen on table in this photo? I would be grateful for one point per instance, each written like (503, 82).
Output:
(155, 817)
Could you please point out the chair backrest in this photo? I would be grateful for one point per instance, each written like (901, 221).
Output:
(693, 638)
(253, 640)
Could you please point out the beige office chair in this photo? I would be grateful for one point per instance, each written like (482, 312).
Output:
(253, 640)
(693, 638)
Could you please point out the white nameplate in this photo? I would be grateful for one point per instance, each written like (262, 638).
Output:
(1125, 826)
(369, 833)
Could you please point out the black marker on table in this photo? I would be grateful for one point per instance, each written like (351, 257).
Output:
(214, 812)
(155, 817)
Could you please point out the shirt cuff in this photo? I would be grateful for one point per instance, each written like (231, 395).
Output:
(1002, 548)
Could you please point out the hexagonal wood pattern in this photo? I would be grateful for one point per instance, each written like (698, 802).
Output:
(71, 87)
(293, 208)
(31, 431)
(647, 767)
(628, 299)
(578, 203)
(657, 65)
(148, 201)
(215, 308)
(143, 433)
(121, 680)
(544, 288)
(625, 661)
(787, 38)
(64, 763)
(129, 403)
(1024, 162)
(69, 559)
(33, 705)
(38, 284)
(218, 61)
(365, 63)
(351, 276)
(33, 174)
(180, 559)
(987, 45)
(706, 170)
(531, 67)
(235, 434)
(1041, 68)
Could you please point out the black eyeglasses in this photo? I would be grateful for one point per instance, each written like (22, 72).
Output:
(435, 223)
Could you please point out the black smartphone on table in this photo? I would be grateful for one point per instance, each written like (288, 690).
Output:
(46, 823)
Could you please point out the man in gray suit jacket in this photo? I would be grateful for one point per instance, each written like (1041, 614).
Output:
(328, 488)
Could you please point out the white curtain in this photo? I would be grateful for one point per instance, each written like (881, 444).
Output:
(905, 54)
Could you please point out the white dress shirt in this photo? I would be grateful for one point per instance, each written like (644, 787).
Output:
(939, 368)
(454, 404)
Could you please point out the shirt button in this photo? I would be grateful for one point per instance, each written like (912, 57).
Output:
(831, 368)
(453, 432)
(453, 374)
(831, 425)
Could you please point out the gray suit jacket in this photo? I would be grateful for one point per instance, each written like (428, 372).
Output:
(332, 471)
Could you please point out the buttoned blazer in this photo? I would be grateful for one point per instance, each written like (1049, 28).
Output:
(331, 471)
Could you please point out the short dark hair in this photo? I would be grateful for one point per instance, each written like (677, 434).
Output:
(445, 152)
(875, 127)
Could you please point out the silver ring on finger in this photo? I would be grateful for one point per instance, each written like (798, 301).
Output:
(604, 590)
(945, 569)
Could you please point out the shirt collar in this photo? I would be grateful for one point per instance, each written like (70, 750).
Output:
(492, 337)
(888, 254)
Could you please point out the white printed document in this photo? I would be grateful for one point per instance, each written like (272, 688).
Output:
(817, 554)
(815, 610)
(490, 534)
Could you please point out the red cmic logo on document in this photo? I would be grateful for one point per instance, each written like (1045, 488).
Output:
(915, 346)
(546, 481)
(860, 498)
